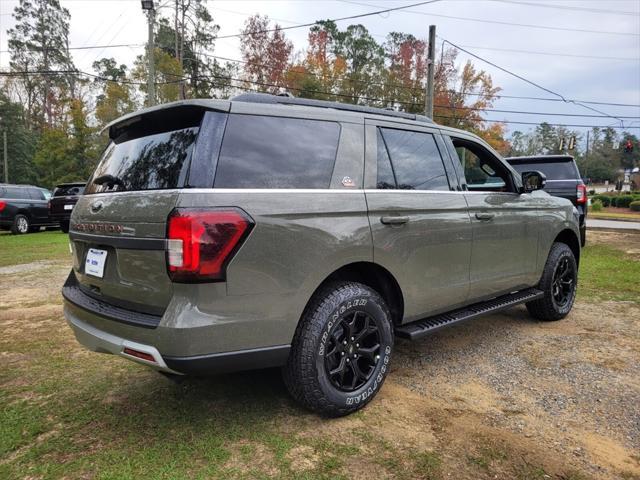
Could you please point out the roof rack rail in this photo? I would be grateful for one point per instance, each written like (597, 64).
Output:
(307, 102)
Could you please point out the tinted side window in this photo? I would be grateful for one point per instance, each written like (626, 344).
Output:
(275, 152)
(386, 178)
(416, 160)
(36, 194)
(17, 193)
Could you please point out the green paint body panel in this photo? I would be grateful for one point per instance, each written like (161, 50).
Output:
(442, 258)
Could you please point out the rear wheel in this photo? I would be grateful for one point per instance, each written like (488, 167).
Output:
(20, 225)
(341, 350)
(559, 281)
(64, 226)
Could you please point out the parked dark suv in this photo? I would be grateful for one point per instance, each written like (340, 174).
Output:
(269, 231)
(563, 180)
(24, 208)
(64, 198)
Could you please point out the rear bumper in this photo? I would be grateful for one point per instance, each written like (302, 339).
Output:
(176, 341)
(103, 342)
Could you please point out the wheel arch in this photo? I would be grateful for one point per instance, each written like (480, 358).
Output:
(374, 276)
(569, 238)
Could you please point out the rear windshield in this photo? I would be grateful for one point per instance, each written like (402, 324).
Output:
(552, 170)
(151, 162)
(67, 190)
(276, 152)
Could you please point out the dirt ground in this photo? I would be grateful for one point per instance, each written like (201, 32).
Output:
(499, 397)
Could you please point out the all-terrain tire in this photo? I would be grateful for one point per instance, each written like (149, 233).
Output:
(549, 307)
(326, 319)
(20, 224)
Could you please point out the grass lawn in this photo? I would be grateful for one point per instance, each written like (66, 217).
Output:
(615, 216)
(47, 245)
(69, 413)
(607, 273)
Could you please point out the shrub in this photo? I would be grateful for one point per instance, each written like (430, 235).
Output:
(592, 192)
(604, 199)
(635, 206)
(596, 206)
(623, 201)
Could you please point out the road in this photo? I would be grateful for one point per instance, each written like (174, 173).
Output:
(615, 224)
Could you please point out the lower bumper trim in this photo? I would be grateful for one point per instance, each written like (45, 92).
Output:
(253, 359)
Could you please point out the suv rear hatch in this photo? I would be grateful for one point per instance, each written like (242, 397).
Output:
(118, 227)
(64, 198)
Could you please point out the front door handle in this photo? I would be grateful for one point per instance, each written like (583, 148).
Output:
(484, 216)
(394, 220)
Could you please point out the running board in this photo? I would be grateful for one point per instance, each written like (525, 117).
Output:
(420, 328)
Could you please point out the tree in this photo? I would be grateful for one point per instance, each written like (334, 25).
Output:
(116, 96)
(66, 153)
(266, 54)
(39, 43)
(364, 60)
(20, 142)
(406, 73)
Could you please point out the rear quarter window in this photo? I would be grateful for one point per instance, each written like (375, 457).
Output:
(277, 152)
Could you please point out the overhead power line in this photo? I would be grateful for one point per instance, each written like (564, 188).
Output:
(350, 17)
(264, 84)
(499, 22)
(530, 82)
(567, 7)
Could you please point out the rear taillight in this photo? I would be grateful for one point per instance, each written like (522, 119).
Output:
(200, 243)
(2, 205)
(581, 193)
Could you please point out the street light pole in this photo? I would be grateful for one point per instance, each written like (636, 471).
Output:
(149, 7)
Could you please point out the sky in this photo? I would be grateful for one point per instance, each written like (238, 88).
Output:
(580, 49)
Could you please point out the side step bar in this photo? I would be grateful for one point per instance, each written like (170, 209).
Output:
(420, 328)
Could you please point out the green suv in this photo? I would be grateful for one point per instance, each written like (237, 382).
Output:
(270, 231)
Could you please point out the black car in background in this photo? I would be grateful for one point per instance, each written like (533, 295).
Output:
(24, 208)
(65, 196)
(563, 180)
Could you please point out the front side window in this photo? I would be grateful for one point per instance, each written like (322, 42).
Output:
(276, 152)
(482, 171)
(150, 162)
(416, 163)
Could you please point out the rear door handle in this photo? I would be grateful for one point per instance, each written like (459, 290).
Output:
(484, 216)
(394, 220)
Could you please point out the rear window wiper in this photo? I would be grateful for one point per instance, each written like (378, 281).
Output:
(109, 180)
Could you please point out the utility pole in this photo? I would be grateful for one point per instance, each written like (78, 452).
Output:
(431, 53)
(586, 157)
(149, 7)
(6, 159)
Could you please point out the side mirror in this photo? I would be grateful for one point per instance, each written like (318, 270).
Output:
(533, 181)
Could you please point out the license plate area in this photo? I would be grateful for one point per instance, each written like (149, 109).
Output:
(68, 207)
(95, 262)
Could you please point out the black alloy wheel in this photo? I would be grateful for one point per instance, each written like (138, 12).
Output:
(353, 350)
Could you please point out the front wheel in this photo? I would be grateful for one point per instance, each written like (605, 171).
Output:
(341, 349)
(559, 282)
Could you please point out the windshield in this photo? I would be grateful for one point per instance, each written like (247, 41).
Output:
(150, 162)
(552, 170)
